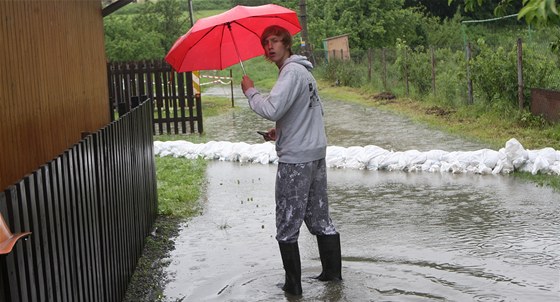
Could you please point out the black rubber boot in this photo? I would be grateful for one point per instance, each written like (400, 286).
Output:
(292, 266)
(329, 251)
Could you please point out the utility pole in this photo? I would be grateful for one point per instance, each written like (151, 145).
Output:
(191, 13)
(305, 38)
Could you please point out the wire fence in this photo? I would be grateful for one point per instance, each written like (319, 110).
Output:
(477, 72)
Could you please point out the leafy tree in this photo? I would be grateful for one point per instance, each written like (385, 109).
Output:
(168, 18)
(368, 23)
(209, 4)
(540, 12)
(145, 32)
(249, 2)
(125, 42)
(436, 8)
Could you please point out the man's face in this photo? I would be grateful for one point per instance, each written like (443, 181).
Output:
(275, 50)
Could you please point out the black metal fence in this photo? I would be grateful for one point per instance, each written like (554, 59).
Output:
(177, 109)
(89, 211)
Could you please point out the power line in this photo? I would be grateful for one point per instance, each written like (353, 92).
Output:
(489, 20)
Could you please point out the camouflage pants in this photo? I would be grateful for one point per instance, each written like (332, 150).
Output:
(301, 196)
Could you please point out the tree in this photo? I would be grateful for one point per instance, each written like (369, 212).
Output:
(368, 23)
(124, 41)
(538, 12)
(436, 8)
(167, 17)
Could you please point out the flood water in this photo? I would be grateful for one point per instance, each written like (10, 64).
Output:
(405, 236)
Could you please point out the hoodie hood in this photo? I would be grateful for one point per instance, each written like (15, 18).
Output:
(302, 60)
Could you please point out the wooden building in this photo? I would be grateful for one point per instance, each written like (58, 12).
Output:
(337, 48)
(81, 189)
(53, 80)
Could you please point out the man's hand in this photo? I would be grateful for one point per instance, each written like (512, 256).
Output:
(268, 136)
(246, 83)
(271, 135)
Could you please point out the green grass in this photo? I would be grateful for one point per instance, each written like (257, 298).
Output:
(213, 106)
(198, 14)
(180, 183)
(261, 71)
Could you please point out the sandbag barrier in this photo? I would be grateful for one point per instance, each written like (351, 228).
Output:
(513, 157)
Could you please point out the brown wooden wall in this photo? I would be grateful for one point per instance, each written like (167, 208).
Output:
(53, 80)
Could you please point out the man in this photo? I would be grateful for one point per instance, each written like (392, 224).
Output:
(301, 143)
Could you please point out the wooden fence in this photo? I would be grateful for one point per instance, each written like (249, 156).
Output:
(89, 211)
(177, 109)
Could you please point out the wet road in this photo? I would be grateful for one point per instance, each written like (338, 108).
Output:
(405, 236)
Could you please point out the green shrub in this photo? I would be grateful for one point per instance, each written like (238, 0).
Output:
(451, 80)
(494, 73)
(526, 119)
(345, 73)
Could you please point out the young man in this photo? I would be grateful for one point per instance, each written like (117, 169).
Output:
(301, 143)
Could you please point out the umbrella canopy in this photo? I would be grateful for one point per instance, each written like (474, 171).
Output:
(220, 41)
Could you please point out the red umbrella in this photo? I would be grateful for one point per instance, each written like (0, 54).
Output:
(220, 41)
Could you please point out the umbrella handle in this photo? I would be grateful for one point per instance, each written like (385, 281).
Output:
(236, 50)
(242, 67)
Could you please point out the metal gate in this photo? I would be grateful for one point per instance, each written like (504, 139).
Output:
(177, 109)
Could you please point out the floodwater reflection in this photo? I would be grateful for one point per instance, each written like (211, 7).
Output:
(405, 236)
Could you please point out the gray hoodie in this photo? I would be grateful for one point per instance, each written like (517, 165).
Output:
(295, 106)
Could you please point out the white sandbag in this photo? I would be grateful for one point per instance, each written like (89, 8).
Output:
(242, 149)
(354, 156)
(555, 168)
(375, 156)
(540, 164)
(436, 155)
(487, 157)
(210, 149)
(516, 154)
(259, 153)
(336, 156)
(390, 162)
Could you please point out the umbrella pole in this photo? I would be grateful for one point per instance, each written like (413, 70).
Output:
(236, 50)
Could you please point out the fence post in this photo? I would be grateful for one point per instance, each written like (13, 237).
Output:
(384, 62)
(406, 70)
(199, 112)
(433, 70)
(369, 65)
(469, 80)
(111, 92)
(520, 84)
(231, 82)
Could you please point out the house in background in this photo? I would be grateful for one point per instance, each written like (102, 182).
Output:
(337, 48)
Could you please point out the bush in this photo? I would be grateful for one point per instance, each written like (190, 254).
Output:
(526, 119)
(494, 72)
(345, 73)
(451, 80)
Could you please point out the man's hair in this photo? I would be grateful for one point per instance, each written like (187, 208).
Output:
(275, 30)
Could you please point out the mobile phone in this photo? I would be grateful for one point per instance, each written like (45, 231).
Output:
(262, 133)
